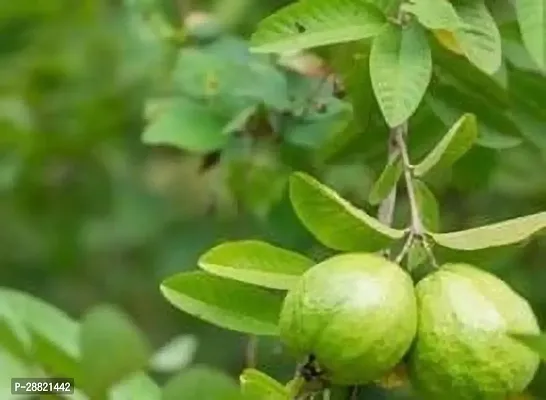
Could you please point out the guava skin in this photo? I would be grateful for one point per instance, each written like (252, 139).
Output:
(461, 351)
(356, 313)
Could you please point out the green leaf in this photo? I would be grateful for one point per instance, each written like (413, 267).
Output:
(479, 36)
(495, 235)
(224, 302)
(201, 383)
(334, 221)
(257, 263)
(138, 386)
(434, 14)
(537, 343)
(454, 145)
(112, 349)
(313, 23)
(386, 181)
(14, 335)
(256, 385)
(54, 335)
(428, 206)
(187, 125)
(531, 16)
(400, 69)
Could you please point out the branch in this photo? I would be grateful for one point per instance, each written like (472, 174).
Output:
(416, 224)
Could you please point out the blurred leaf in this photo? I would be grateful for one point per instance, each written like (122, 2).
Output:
(494, 140)
(187, 125)
(54, 334)
(138, 386)
(318, 123)
(453, 145)
(531, 15)
(400, 69)
(112, 348)
(257, 263)
(256, 385)
(334, 221)
(11, 367)
(495, 235)
(201, 383)
(428, 206)
(225, 303)
(478, 35)
(313, 23)
(537, 343)
(178, 353)
(386, 181)
(14, 335)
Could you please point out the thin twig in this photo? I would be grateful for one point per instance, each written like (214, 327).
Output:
(385, 214)
(354, 393)
(416, 223)
(405, 248)
(430, 253)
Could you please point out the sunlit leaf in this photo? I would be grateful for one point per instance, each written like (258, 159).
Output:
(112, 348)
(386, 181)
(256, 385)
(400, 69)
(334, 221)
(313, 23)
(453, 145)
(531, 15)
(434, 14)
(178, 353)
(224, 302)
(257, 263)
(495, 235)
(479, 36)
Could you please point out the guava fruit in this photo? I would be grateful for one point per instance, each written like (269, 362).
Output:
(462, 350)
(355, 313)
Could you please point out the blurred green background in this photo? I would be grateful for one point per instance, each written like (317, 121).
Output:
(91, 215)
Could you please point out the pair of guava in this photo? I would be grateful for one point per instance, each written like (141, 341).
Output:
(359, 315)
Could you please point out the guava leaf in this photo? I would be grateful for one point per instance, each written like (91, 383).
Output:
(138, 386)
(428, 205)
(313, 23)
(531, 16)
(479, 37)
(459, 139)
(224, 302)
(256, 263)
(53, 334)
(112, 348)
(187, 125)
(258, 386)
(201, 383)
(434, 14)
(386, 181)
(400, 70)
(334, 221)
(495, 235)
(537, 343)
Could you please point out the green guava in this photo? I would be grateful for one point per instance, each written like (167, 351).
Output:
(462, 350)
(356, 313)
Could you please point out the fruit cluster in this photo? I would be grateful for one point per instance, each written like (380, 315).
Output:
(359, 315)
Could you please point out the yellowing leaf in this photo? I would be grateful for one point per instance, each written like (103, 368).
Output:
(458, 140)
(494, 235)
(334, 221)
(257, 263)
(448, 40)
